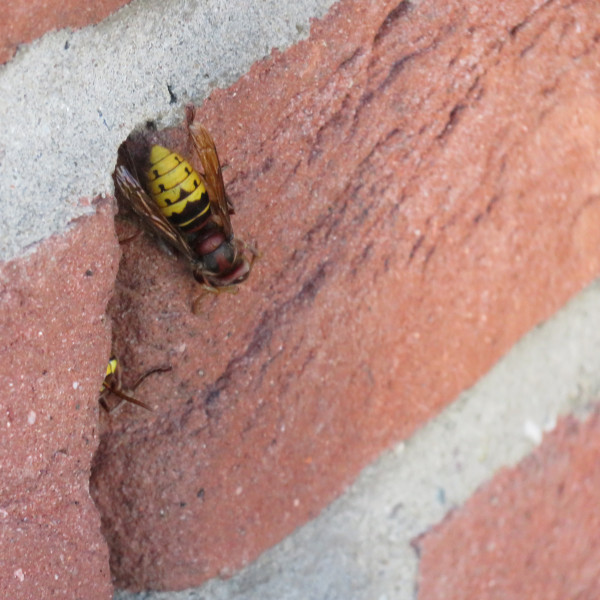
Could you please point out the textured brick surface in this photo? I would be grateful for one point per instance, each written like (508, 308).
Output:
(530, 533)
(25, 21)
(422, 182)
(54, 342)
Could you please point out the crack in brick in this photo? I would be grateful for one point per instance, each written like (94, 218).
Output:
(453, 119)
(390, 20)
(513, 31)
(270, 321)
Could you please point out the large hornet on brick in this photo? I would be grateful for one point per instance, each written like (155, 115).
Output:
(188, 209)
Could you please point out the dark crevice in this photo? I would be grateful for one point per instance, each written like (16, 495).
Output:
(453, 118)
(514, 31)
(415, 247)
(388, 23)
(348, 62)
(428, 255)
(172, 95)
(397, 67)
(490, 205)
(270, 321)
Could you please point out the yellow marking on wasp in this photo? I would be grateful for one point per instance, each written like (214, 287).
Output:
(167, 196)
(162, 161)
(111, 367)
(170, 177)
(179, 207)
(194, 218)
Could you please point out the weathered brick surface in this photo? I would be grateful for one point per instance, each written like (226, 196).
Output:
(530, 533)
(422, 181)
(54, 341)
(25, 21)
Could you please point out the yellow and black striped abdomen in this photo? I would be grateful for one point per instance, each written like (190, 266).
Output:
(177, 189)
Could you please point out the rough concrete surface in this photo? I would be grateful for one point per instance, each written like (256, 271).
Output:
(422, 181)
(54, 339)
(364, 545)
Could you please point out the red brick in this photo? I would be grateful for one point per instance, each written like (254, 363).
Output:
(529, 533)
(422, 182)
(54, 341)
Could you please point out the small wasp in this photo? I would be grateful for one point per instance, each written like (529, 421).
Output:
(187, 209)
(112, 385)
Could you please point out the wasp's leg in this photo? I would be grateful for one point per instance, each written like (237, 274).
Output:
(123, 397)
(130, 238)
(151, 372)
(243, 246)
(115, 389)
